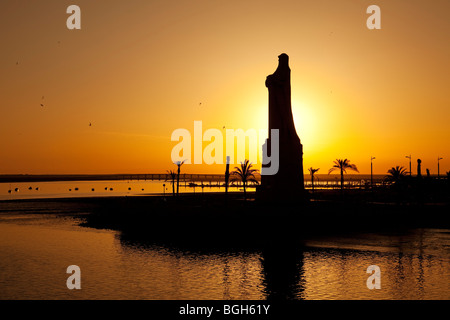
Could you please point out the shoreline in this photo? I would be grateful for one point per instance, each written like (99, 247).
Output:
(359, 196)
(332, 212)
(212, 220)
(237, 223)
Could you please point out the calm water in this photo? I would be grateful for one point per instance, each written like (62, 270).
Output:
(73, 189)
(36, 249)
(64, 189)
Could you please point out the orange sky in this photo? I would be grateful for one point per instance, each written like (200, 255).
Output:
(138, 69)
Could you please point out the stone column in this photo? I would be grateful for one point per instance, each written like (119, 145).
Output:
(288, 182)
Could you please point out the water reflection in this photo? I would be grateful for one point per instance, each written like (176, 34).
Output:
(35, 251)
(83, 189)
(283, 273)
(415, 265)
(193, 272)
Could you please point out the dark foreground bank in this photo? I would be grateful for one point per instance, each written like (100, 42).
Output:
(214, 219)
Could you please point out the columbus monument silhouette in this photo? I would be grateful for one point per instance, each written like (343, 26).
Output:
(288, 182)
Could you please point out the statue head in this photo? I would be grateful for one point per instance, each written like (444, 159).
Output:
(283, 60)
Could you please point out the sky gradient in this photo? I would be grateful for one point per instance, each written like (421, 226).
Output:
(139, 69)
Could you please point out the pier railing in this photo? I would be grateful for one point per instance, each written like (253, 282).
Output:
(320, 182)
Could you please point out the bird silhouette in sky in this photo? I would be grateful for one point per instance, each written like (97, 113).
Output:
(90, 124)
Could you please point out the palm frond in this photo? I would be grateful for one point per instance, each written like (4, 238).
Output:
(343, 165)
(332, 169)
(396, 174)
(244, 172)
(172, 174)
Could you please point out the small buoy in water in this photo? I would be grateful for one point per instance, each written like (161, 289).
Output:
(110, 189)
(76, 189)
(129, 189)
(30, 188)
(93, 189)
(9, 191)
(106, 188)
(142, 189)
(37, 189)
(16, 189)
(70, 189)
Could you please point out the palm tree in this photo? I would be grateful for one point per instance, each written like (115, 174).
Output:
(396, 174)
(312, 171)
(172, 175)
(245, 174)
(342, 166)
(179, 164)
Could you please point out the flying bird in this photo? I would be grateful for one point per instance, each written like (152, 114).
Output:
(90, 124)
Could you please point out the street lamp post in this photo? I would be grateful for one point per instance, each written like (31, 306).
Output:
(438, 165)
(371, 172)
(409, 157)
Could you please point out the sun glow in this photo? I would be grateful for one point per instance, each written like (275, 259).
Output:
(305, 121)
